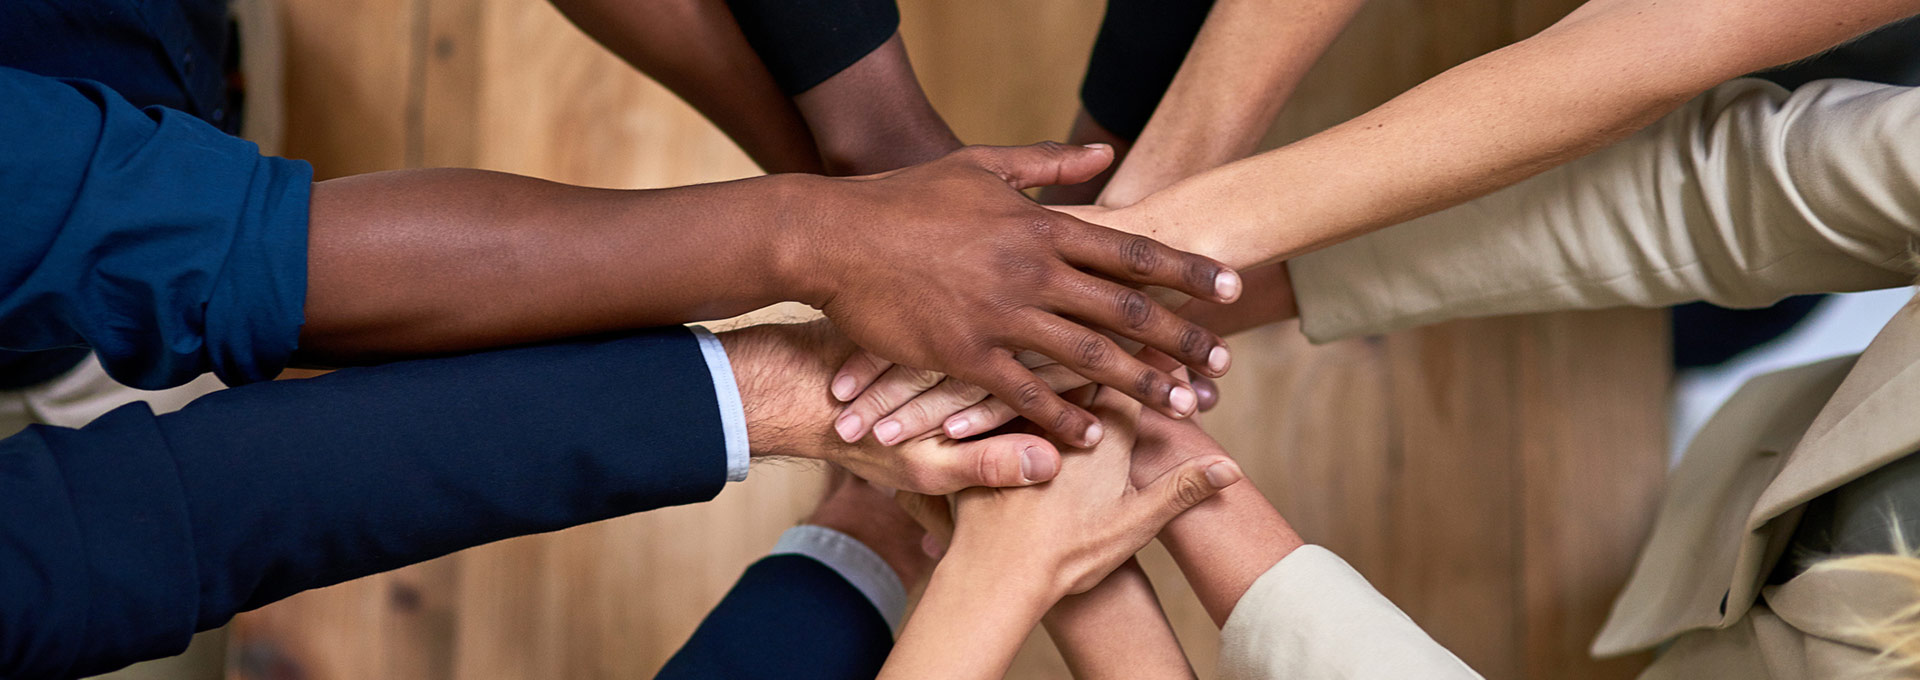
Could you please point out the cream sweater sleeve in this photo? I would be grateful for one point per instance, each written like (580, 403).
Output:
(1745, 195)
(1312, 617)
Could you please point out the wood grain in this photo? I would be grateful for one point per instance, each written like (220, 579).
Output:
(1494, 477)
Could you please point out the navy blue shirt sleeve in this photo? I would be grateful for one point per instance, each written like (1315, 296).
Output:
(168, 247)
(119, 540)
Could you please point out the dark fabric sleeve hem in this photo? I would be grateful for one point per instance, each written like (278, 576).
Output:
(805, 42)
(257, 306)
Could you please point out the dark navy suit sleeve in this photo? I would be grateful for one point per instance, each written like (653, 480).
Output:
(119, 540)
(789, 617)
(167, 246)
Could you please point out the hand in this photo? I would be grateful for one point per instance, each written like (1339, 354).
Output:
(945, 266)
(906, 403)
(782, 370)
(1071, 532)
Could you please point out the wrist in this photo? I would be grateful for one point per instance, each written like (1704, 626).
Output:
(781, 371)
(1015, 577)
(805, 214)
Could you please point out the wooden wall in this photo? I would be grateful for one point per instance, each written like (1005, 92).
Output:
(1493, 477)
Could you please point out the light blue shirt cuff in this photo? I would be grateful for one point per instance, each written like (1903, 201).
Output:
(733, 415)
(853, 561)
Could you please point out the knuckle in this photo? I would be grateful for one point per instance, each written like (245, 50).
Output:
(1091, 352)
(1030, 395)
(1041, 227)
(987, 472)
(1135, 309)
(1063, 421)
(922, 380)
(1148, 383)
(1201, 274)
(1138, 253)
(1194, 342)
(1188, 491)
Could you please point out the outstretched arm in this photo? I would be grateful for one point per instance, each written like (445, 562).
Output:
(1603, 72)
(1244, 64)
(695, 48)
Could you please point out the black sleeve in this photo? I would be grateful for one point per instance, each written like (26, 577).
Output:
(119, 540)
(1139, 50)
(805, 42)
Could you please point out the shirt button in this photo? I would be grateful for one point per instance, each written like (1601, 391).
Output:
(219, 114)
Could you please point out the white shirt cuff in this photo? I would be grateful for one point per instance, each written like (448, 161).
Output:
(733, 415)
(853, 561)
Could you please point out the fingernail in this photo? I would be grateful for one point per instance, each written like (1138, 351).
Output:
(1036, 465)
(958, 427)
(1093, 434)
(1096, 146)
(1219, 359)
(932, 547)
(849, 428)
(887, 430)
(1227, 285)
(843, 388)
(1222, 474)
(1182, 399)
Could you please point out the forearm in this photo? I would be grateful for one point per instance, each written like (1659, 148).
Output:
(873, 116)
(1117, 630)
(1603, 72)
(972, 618)
(1226, 543)
(695, 49)
(432, 261)
(1243, 66)
(1746, 195)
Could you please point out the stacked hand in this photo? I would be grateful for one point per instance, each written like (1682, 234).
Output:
(945, 267)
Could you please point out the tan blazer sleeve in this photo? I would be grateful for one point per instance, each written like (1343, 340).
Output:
(1745, 195)
(1311, 617)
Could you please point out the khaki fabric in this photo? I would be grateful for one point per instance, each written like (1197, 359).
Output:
(1746, 195)
(1311, 616)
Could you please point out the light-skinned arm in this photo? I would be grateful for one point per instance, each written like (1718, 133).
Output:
(1244, 64)
(1606, 70)
(1013, 555)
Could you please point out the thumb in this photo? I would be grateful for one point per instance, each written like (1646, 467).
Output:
(1185, 486)
(998, 461)
(1044, 164)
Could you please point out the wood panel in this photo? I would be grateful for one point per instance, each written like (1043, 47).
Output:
(1494, 477)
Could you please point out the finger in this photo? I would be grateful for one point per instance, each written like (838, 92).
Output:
(856, 373)
(930, 512)
(941, 466)
(894, 389)
(1208, 391)
(1033, 399)
(1132, 314)
(1043, 164)
(1183, 487)
(926, 413)
(1141, 260)
(992, 413)
(1098, 358)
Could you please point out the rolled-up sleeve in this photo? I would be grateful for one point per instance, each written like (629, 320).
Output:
(119, 540)
(1746, 195)
(168, 247)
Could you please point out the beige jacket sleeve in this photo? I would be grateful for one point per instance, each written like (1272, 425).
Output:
(1745, 195)
(1312, 617)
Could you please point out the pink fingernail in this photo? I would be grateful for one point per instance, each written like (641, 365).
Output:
(887, 431)
(1219, 359)
(843, 388)
(1094, 432)
(1222, 474)
(1183, 399)
(849, 428)
(958, 427)
(1036, 465)
(1227, 285)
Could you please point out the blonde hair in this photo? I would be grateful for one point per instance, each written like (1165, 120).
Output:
(1897, 635)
